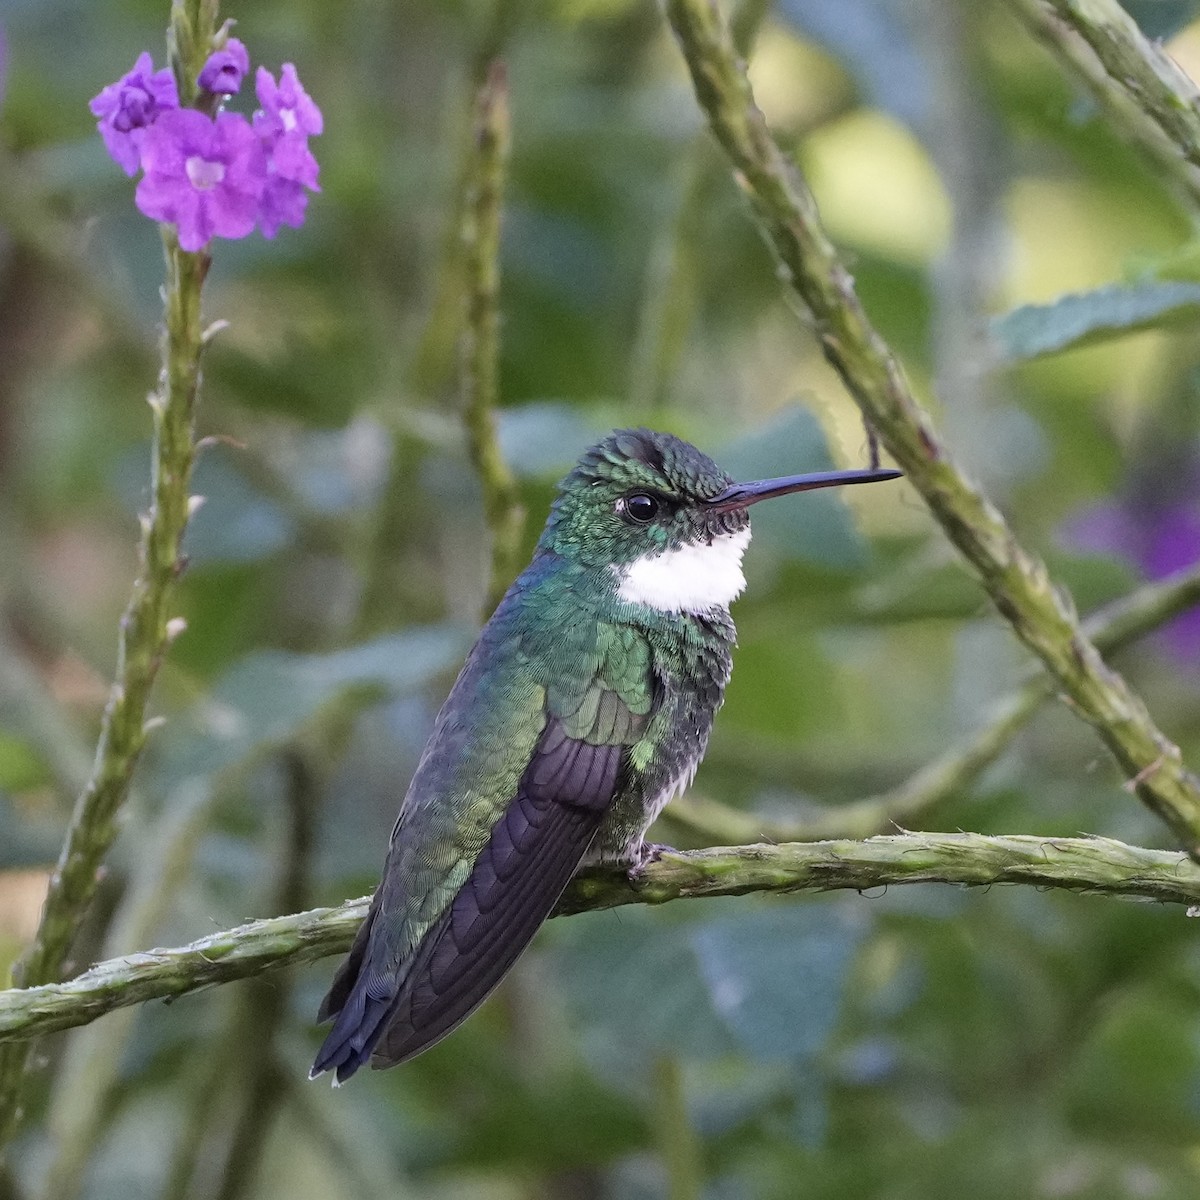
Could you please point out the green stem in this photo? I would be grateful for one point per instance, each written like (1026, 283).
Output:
(1095, 865)
(1112, 628)
(481, 332)
(678, 1143)
(145, 634)
(88, 1079)
(145, 631)
(1146, 94)
(266, 1002)
(1018, 583)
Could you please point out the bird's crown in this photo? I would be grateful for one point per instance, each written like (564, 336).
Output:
(635, 492)
(645, 458)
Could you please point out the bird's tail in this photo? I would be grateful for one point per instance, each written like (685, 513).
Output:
(389, 1015)
(359, 1015)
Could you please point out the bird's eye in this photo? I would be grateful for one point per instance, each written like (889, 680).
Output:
(639, 507)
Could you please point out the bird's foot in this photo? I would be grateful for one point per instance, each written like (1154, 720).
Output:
(642, 855)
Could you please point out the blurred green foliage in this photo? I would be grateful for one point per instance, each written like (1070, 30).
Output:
(918, 1045)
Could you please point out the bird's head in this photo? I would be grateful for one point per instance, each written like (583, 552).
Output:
(670, 524)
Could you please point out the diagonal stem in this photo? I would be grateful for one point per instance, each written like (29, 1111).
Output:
(1115, 626)
(1148, 97)
(1020, 586)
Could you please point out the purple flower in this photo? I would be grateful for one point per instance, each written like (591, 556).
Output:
(130, 106)
(206, 177)
(290, 157)
(287, 107)
(1161, 536)
(287, 119)
(283, 203)
(225, 69)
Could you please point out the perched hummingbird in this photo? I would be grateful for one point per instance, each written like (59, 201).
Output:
(584, 706)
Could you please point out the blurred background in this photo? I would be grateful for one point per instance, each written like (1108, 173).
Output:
(925, 1042)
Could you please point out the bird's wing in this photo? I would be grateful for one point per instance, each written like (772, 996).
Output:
(390, 1011)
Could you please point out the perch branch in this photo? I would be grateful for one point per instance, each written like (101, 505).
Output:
(1098, 865)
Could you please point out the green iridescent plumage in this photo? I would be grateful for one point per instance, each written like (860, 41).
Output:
(584, 706)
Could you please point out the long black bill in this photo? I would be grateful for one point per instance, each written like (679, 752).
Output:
(742, 495)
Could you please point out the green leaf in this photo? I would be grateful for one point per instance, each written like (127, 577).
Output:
(20, 765)
(636, 992)
(270, 695)
(1161, 18)
(1087, 317)
(776, 976)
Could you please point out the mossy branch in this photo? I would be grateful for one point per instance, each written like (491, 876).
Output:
(1097, 865)
(481, 333)
(1018, 582)
(1146, 94)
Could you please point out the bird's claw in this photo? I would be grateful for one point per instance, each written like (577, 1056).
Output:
(643, 856)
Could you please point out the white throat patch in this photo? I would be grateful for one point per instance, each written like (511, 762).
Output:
(693, 579)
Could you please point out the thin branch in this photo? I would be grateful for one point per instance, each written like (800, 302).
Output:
(678, 1142)
(1097, 865)
(85, 1093)
(1147, 95)
(1115, 626)
(1018, 583)
(265, 1003)
(145, 631)
(481, 331)
(433, 359)
(432, 364)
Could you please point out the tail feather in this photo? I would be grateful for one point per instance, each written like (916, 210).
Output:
(360, 1002)
(347, 974)
(389, 1017)
(450, 982)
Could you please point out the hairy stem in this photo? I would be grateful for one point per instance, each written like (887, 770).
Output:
(949, 775)
(145, 634)
(146, 630)
(1018, 583)
(481, 332)
(1097, 865)
(1146, 94)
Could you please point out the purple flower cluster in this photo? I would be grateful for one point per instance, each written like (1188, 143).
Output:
(1158, 533)
(220, 175)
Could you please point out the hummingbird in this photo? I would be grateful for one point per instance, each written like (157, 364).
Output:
(584, 706)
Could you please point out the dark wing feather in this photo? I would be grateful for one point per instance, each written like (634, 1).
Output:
(531, 854)
(530, 858)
